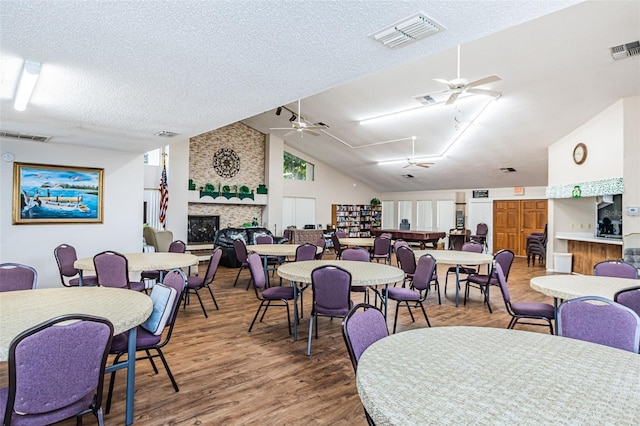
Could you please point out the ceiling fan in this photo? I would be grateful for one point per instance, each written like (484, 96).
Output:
(459, 85)
(411, 162)
(298, 125)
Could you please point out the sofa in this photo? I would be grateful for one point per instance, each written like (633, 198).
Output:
(224, 238)
(158, 238)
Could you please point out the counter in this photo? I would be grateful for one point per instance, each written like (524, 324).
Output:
(588, 250)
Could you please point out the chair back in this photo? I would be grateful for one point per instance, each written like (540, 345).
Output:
(615, 268)
(241, 251)
(605, 322)
(112, 269)
(56, 371)
(407, 260)
(629, 297)
(482, 229)
(335, 240)
(424, 272)
(356, 253)
(472, 247)
(177, 246)
(504, 258)
(65, 257)
(331, 290)
(306, 251)
(177, 280)
(264, 239)
(341, 234)
(257, 271)
(212, 268)
(322, 243)
(363, 325)
(502, 281)
(16, 276)
(382, 246)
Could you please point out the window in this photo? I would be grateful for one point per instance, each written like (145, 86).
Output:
(296, 168)
(424, 215)
(388, 218)
(404, 214)
(152, 158)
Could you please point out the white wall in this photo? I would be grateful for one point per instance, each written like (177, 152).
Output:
(631, 198)
(122, 227)
(604, 137)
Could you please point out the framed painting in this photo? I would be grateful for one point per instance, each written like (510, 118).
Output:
(46, 194)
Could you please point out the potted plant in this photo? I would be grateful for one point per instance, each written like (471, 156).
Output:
(375, 202)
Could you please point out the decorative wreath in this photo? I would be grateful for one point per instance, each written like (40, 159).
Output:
(226, 162)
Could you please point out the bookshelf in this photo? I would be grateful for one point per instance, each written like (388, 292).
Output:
(357, 220)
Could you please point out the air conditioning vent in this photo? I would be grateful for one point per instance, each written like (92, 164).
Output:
(425, 100)
(626, 50)
(165, 134)
(408, 176)
(24, 136)
(407, 30)
(507, 169)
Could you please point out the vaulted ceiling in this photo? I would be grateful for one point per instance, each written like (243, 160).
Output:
(115, 73)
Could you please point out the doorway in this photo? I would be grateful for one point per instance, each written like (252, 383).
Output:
(513, 220)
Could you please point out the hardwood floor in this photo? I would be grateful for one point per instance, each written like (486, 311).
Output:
(228, 376)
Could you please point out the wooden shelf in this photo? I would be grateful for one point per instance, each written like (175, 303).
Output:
(259, 199)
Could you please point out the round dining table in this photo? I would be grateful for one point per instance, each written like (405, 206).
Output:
(126, 309)
(490, 376)
(569, 286)
(362, 274)
(357, 242)
(457, 258)
(138, 262)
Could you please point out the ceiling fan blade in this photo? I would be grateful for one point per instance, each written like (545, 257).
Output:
(452, 98)
(486, 80)
(424, 165)
(289, 133)
(280, 128)
(484, 92)
(408, 165)
(310, 132)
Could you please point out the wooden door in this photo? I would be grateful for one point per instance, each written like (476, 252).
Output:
(506, 225)
(513, 220)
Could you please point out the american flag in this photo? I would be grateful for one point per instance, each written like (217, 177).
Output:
(164, 195)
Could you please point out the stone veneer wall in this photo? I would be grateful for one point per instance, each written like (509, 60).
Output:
(248, 144)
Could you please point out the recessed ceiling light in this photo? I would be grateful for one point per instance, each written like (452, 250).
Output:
(165, 134)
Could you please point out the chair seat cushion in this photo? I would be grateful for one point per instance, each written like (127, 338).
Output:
(150, 275)
(90, 280)
(481, 279)
(137, 285)
(195, 282)
(49, 417)
(402, 293)
(359, 288)
(462, 270)
(533, 308)
(275, 293)
(333, 312)
(144, 338)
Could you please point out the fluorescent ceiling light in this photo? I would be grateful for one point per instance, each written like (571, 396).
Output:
(28, 79)
(404, 160)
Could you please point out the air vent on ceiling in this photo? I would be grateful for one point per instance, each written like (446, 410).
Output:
(24, 136)
(165, 134)
(408, 176)
(626, 50)
(425, 100)
(408, 30)
(507, 169)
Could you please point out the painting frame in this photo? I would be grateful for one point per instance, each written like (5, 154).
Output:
(45, 194)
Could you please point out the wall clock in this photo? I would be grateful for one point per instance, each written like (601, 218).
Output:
(226, 162)
(580, 153)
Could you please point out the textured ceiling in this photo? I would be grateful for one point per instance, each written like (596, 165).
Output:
(114, 73)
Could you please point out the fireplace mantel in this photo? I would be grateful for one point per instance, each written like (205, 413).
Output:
(259, 199)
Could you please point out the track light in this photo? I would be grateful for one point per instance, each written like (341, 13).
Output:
(28, 79)
(293, 117)
(279, 110)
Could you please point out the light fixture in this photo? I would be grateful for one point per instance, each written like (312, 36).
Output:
(28, 79)
(293, 117)
(279, 110)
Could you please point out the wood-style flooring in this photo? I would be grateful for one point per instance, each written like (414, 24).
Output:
(228, 376)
